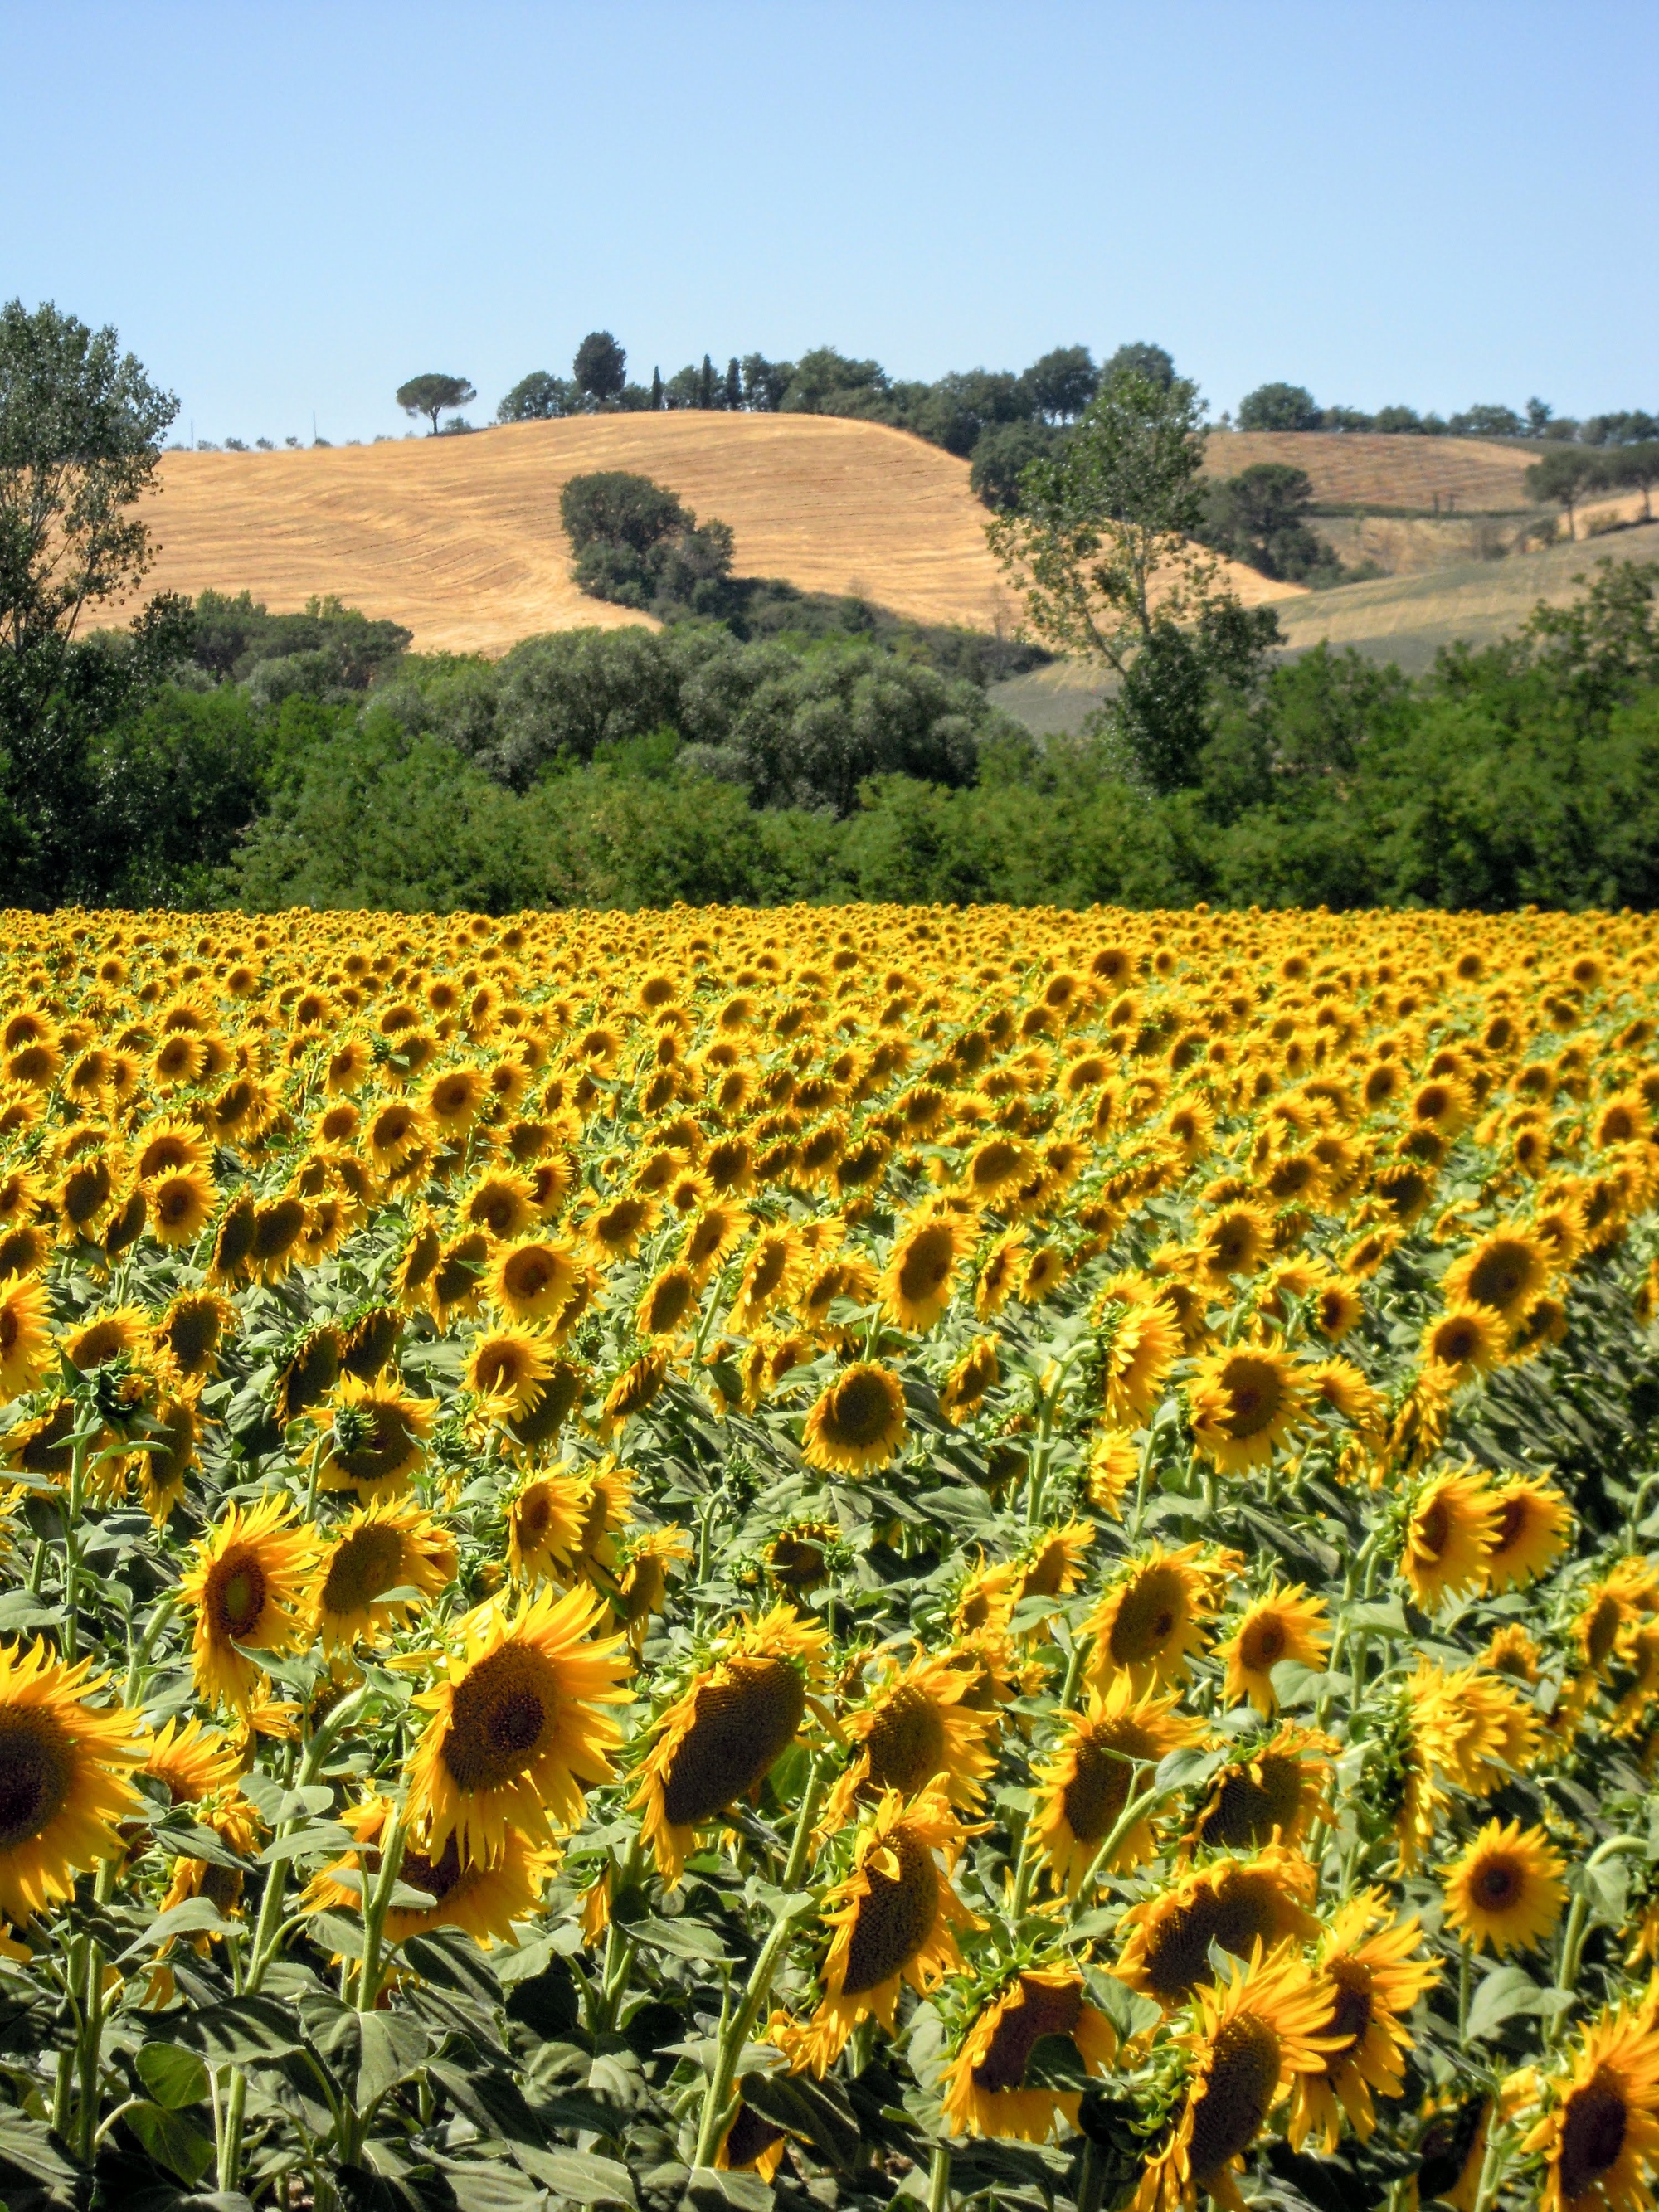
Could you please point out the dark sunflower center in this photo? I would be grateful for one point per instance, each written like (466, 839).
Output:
(1099, 1789)
(1253, 1393)
(1498, 1885)
(1251, 1803)
(1499, 1276)
(533, 1512)
(503, 1711)
(1592, 2135)
(926, 1265)
(437, 1878)
(750, 2137)
(368, 1561)
(859, 1410)
(1512, 1520)
(36, 1772)
(1354, 2007)
(739, 1728)
(1178, 1955)
(1036, 2010)
(897, 1919)
(528, 1274)
(1434, 1527)
(1264, 1645)
(1602, 1630)
(1152, 1610)
(223, 1885)
(1244, 2077)
(906, 1741)
(239, 1593)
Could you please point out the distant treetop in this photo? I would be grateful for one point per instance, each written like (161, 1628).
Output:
(433, 395)
(600, 369)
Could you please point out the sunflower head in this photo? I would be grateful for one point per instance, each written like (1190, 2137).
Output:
(859, 1421)
(1505, 1888)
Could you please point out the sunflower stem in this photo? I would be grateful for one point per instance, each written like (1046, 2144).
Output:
(800, 1842)
(938, 2178)
(618, 1945)
(375, 1910)
(1080, 1649)
(91, 2053)
(230, 2138)
(316, 1475)
(1091, 2178)
(1465, 1959)
(1143, 1482)
(719, 2106)
(72, 1551)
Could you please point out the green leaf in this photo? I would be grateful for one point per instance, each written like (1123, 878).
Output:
(196, 1916)
(1055, 2062)
(492, 2185)
(581, 2176)
(172, 2140)
(816, 2111)
(1506, 1992)
(250, 2030)
(711, 2190)
(320, 1836)
(1186, 1769)
(682, 1939)
(175, 2076)
(1130, 2013)
(29, 2149)
(1386, 1618)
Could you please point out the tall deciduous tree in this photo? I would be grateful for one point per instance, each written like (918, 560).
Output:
(1102, 550)
(81, 428)
(1564, 477)
(433, 395)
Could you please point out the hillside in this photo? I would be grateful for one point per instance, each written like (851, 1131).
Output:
(1413, 476)
(460, 537)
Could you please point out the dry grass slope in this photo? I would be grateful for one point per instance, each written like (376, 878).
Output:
(1364, 469)
(460, 537)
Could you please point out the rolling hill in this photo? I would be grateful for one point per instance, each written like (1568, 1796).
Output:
(460, 537)
(1405, 474)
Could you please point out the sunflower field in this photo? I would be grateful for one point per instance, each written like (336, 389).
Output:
(718, 1558)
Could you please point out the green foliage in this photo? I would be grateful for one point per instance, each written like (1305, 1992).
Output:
(600, 368)
(1278, 407)
(434, 394)
(1259, 517)
(539, 397)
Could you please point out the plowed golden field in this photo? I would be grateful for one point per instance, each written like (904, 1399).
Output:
(460, 539)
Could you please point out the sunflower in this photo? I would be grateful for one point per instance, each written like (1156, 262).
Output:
(180, 1205)
(1338, 1309)
(858, 1422)
(507, 1368)
(544, 1522)
(1529, 1532)
(63, 1777)
(640, 1384)
(1149, 1623)
(1245, 1402)
(1503, 1273)
(974, 1373)
(770, 1273)
(1448, 1536)
(1598, 2130)
(668, 1302)
(1377, 1981)
(1234, 1242)
(1273, 1794)
(1251, 2036)
(1337, 1386)
(481, 1898)
(1114, 1467)
(1463, 1343)
(646, 1559)
(894, 1918)
(1505, 1888)
(721, 1738)
(532, 1280)
(912, 1730)
(1237, 1903)
(916, 1285)
(1282, 1625)
(517, 1730)
(189, 1333)
(983, 2091)
(1082, 1789)
(1144, 1344)
(25, 1337)
(193, 1762)
(246, 1590)
(376, 1434)
(381, 1547)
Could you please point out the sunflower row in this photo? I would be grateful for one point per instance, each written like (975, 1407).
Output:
(1005, 1547)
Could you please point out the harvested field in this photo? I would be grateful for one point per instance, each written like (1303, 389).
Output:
(1410, 475)
(460, 537)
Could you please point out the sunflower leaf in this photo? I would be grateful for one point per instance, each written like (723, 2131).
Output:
(171, 2141)
(197, 1915)
(1506, 1992)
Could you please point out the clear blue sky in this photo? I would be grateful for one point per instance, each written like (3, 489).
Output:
(295, 207)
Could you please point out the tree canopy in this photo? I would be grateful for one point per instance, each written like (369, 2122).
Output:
(434, 394)
(600, 368)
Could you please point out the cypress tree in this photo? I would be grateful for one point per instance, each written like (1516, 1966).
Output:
(705, 384)
(656, 389)
(733, 385)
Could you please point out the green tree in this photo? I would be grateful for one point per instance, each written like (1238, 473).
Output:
(1059, 385)
(600, 368)
(732, 397)
(1001, 456)
(1259, 517)
(656, 390)
(1636, 468)
(1278, 407)
(81, 428)
(433, 395)
(537, 397)
(1151, 362)
(1102, 550)
(1564, 477)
